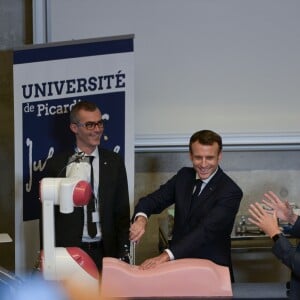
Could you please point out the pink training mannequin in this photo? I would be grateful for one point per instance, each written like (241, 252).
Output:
(189, 277)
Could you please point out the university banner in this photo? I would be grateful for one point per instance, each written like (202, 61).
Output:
(49, 80)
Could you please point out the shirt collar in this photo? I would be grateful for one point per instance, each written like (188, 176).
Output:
(95, 153)
(205, 181)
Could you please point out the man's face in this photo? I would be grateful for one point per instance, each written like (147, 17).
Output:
(205, 159)
(88, 139)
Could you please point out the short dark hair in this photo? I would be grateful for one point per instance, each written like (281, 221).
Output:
(82, 105)
(206, 137)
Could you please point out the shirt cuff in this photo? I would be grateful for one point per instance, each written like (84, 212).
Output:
(141, 214)
(171, 256)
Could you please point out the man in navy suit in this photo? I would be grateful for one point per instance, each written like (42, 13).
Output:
(203, 222)
(110, 215)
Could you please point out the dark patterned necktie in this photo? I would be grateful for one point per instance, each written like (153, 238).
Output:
(196, 193)
(92, 229)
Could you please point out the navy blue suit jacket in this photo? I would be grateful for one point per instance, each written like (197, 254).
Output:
(290, 256)
(201, 231)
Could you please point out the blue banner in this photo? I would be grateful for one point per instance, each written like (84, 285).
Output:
(48, 81)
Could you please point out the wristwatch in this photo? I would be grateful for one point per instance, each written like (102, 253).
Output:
(276, 237)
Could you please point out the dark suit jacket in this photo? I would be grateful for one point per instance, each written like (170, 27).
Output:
(201, 231)
(113, 200)
(290, 256)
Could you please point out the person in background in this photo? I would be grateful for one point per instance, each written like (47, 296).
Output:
(110, 216)
(206, 202)
(37, 288)
(267, 220)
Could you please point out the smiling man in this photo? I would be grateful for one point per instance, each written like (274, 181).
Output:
(206, 201)
(101, 229)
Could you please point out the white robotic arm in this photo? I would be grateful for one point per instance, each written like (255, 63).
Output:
(57, 262)
(65, 192)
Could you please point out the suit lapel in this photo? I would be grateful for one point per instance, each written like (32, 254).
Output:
(104, 174)
(101, 165)
(103, 168)
(188, 195)
(206, 200)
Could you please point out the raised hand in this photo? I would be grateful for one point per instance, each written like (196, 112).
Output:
(283, 209)
(263, 219)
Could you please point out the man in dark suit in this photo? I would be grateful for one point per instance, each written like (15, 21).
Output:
(202, 222)
(110, 215)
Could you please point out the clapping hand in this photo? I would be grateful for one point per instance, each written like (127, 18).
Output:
(283, 209)
(265, 220)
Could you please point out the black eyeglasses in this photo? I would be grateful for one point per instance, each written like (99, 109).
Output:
(91, 125)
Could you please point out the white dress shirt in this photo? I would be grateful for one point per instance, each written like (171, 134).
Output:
(82, 169)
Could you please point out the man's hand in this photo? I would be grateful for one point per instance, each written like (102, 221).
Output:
(151, 263)
(137, 229)
(283, 209)
(264, 220)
